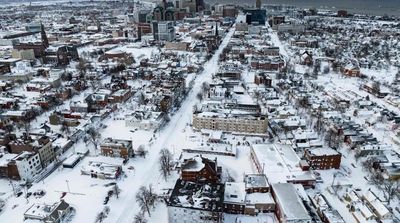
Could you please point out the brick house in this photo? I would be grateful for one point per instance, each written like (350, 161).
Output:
(306, 59)
(199, 168)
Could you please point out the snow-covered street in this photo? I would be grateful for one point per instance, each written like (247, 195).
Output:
(149, 173)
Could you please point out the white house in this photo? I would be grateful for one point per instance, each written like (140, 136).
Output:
(147, 120)
(28, 165)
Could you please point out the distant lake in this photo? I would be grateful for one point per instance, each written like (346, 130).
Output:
(373, 7)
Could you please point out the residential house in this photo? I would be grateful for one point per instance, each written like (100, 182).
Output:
(147, 120)
(56, 213)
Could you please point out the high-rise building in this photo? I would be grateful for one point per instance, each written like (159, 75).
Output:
(256, 16)
(258, 4)
(164, 31)
(191, 6)
(229, 11)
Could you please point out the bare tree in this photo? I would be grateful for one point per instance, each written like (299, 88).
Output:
(302, 102)
(141, 98)
(94, 136)
(151, 195)
(205, 86)
(103, 214)
(142, 200)
(199, 96)
(330, 138)
(165, 162)
(27, 127)
(141, 151)
(140, 218)
(257, 95)
(368, 164)
(376, 87)
(100, 217)
(390, 188)
(117, 190)
(106, 210)
(318, 126)
(146, 198)
(82, 66)
(316, 69)
(65, 127)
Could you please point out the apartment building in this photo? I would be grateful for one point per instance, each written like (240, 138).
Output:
(323, 158)
(28, 165)
(229, 123)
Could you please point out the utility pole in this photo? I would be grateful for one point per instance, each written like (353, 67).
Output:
(263, 168)
(69, 191)
(333, 180)
(12, 185)
(26, 192)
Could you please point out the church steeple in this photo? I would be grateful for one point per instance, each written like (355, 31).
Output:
(45, 41)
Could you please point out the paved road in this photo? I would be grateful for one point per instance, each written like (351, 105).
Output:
(149, 174)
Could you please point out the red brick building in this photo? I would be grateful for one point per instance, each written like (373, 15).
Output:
(323, 158)
(199, 169)
(263, 78)
(267, 64)
(116, 148)
(8, 169)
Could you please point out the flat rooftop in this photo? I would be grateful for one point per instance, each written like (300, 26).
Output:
(256, 180)
(290, 202)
